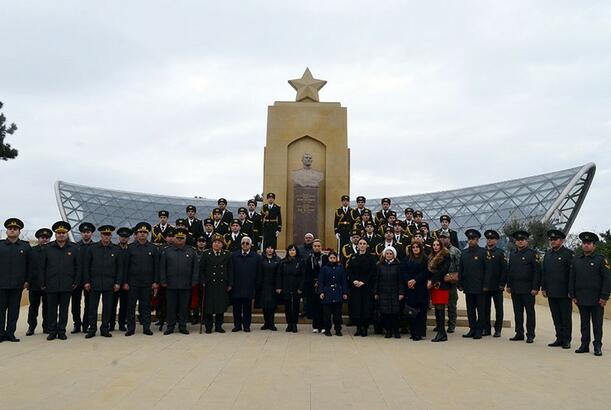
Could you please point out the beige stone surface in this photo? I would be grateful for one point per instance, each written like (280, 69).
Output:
(301, 371)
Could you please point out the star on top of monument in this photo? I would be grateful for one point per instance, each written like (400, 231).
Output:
(307, 87)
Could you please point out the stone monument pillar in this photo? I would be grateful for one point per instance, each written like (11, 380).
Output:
(307, 162)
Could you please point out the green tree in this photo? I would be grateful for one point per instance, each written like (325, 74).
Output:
(6, 151)
(536, 228)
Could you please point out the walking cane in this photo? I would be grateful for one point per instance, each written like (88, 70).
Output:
(201, 317)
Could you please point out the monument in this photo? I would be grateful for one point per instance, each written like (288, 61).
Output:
(307, 161)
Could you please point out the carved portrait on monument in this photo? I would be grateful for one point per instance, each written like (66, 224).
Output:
(306, 176)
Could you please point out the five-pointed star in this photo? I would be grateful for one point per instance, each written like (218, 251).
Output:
(307, 86)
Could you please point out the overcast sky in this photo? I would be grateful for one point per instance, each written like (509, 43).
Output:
(171, 97)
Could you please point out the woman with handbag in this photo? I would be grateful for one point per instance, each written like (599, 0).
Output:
(290, 286)
(439, 264)
(361, 271)
(267, 298)
(416, 277)
(389, 290)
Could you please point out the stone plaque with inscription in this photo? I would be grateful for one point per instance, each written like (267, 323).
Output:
(305, 212)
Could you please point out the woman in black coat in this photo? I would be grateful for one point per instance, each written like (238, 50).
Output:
(290, 286)
(266, 288)
(416, 276)
(361, 272)
(439, 265)
(389, 291)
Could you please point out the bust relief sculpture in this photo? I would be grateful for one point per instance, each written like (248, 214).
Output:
(306, 176)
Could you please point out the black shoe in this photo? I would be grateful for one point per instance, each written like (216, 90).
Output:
(451, 329)
(265, 327)
(416, 338)
(388, 334)
(486, 333)
(583, 349)
(106, 334)
(273, 328)
(477, 335)
(208, 331)
(236, 329)
(497, 333)
(168, 331)
(122, 328)
(184, 331)
(516, 337)
(62, 336)
(289, 329)
(11, 338)
(30, 331)
(51, 336)
(328, 333)
(247, 329)
(566, 345)
(219, 330)
(76, 329)
(598, 351)
(148, 332)
(530, 339)
(469, 334)
(556, 343)
(129, 333)
(338, 333)
(89, 335)
(397, 335)
(439, 338)
(294, 330)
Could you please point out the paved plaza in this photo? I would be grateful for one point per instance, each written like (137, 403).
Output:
(302, 371)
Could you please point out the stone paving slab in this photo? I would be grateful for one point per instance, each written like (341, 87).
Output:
(278, 370)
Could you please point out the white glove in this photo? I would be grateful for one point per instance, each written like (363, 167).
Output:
(277, 233)
(337, 236)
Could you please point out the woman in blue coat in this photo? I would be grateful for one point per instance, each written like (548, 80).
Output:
(333, 289)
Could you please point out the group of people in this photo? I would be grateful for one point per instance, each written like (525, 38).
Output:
(388, 272)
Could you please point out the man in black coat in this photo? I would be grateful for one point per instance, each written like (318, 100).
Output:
(15, 266)
(60, 275)
(246, 273)
(555, 273)
(523, 282)
(119, 299)
(102, 276)
(471, 274)
(178, 272)
(271, 221)
(216, 273)
(35, 294)
(589, 287)
(343, 223)
(141, 277)
(254, 217)
(194, 225)
(494, 282)
(445, 220)
(81, 322)
(233, 239)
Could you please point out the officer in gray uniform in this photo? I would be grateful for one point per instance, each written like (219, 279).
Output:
(589, 287)
(555, 272)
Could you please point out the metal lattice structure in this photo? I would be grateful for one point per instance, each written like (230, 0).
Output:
(555, 197)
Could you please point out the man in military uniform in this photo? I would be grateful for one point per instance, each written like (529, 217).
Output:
(271, 220)
(178, 273)
(399, 236)
(216, 275)
(208, 232)
(343, 222)
(102, 275)
(471, 273)
(233, 239)
(357, 213)
(159, 300)
(141, 277)
(494, 282)
(589, 287)
(120, 298)
(246, 225)
(35, 293)
(15, 266)
(82, 322)
(418, 215)
(390, 221)
(193, 225)
(226, 214)
(389, 240)
(454, 253)
(218, 225)
(523, 282)
(372, 238)
(61, 272)
(159, 230)
(255, 218)
(445, 220)
(351, 248)
(196, 290)
(382, 214)
(409, 223)
(555, 272)
(360, 223)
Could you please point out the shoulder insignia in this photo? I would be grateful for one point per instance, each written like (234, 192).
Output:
(606, 262)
